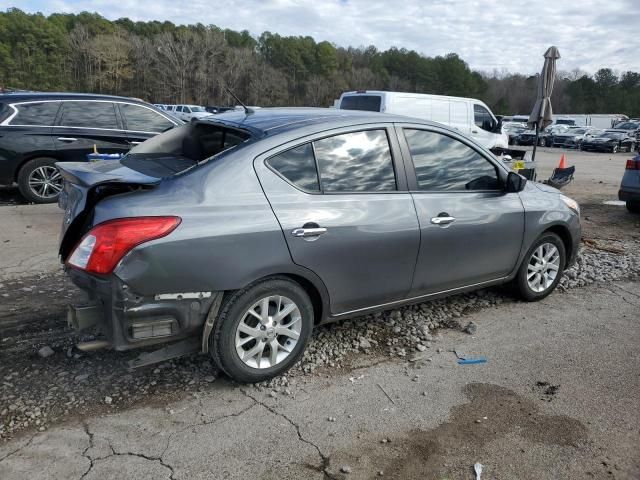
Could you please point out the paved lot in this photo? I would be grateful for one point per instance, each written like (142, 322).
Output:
(557, 398)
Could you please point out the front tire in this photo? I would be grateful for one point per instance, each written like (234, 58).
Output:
(39, 181)
(541, 268)
(543, 142)
(262, 330)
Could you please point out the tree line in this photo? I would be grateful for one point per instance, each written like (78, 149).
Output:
(161, 62)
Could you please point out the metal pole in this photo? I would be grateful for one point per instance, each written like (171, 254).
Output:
(535, 144)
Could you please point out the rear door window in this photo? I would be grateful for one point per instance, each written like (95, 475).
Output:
(298, 166)
(89, 114)
(369, 103)
(142, 119)
(37, 114)
(355, 162)
(443, 163)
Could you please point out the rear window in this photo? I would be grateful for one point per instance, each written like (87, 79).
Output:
(369, 103)
(38, 114)
(88, 114)
(182, 147)
(142, 119)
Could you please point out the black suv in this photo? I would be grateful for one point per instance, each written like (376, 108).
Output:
(39, 129)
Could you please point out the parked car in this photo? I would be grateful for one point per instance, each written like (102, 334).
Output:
(513, 130)
(39, 129)
(215, 110)
(187, 112)
(630, 186)
(545, 137)
(631, 128)
(574, 137)
(244, 232)
(609, 141)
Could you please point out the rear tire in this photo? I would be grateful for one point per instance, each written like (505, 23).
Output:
(250, 345)
(541, 268)
(614, 149)
(633, 207)
(39, 181)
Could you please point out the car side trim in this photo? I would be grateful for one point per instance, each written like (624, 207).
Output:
(384, 306)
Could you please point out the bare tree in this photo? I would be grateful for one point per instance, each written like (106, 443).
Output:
(110, 53)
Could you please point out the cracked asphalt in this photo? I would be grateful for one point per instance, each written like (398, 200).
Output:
(557, 398)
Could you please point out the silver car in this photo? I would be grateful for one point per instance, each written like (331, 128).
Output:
(630, 186)
(237, 234)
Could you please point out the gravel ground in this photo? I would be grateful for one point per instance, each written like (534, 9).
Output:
(41, 388)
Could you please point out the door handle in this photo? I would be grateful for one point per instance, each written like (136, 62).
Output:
(442, 220)
(474, 131)
(67, 139)
(308, 232)
(135, 143)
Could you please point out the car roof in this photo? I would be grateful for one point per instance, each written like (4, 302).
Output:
(278, 120)
(34, 96)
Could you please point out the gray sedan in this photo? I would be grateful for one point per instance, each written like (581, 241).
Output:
(236, 235)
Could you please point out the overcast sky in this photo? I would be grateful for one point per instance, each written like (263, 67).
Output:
(488, 34)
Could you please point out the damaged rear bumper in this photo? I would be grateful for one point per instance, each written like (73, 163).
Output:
(130, 320)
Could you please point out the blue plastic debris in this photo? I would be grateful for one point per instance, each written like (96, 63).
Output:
(472, 360)
(94, 157)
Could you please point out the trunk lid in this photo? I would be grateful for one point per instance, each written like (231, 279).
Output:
(85, 184)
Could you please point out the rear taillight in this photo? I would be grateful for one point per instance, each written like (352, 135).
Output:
(633, 164)
(104, 245)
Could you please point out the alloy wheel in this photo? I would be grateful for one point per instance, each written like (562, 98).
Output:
(543, 267)
(268, 332)
(45, 182)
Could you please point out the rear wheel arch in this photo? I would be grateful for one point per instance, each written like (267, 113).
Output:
(312, 286)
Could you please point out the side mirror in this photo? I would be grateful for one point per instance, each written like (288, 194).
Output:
(515, 183)
(498, 127)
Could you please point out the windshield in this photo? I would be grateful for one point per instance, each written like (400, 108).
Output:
(611, 135)
(197, 109)
(627, 126)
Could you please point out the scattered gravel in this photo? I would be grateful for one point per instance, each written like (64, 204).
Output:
(471, 328)
(45, 351)
(38, 389)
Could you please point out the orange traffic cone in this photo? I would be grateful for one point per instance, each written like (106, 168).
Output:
(563, 162)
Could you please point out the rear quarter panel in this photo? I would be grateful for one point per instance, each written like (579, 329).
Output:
(228, 236)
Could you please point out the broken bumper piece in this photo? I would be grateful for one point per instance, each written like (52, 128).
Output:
(131, 320)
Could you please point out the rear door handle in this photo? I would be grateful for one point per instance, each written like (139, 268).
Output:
(442, 220)
(308, 232)
(474, 131)
(135, 142)
(67, 139)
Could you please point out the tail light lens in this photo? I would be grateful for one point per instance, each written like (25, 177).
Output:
(633, 164)
(104, 245)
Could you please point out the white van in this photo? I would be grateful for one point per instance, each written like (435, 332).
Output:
(468, 115)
